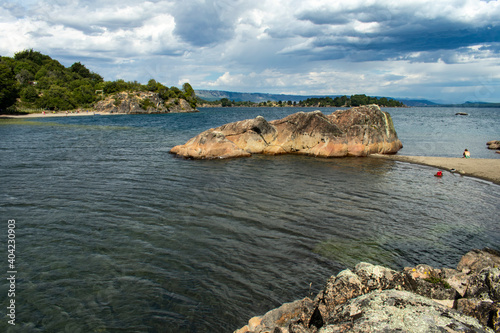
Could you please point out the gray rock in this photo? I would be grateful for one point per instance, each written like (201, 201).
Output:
(373, 298)
(493, 282)
(297, 311)
(338, 290)
(476, 260)
(375, 277)
(141, 103)
(433, 290)
(399, 311)
(477, 308)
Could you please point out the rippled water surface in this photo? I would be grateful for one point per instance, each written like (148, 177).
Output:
(114, 234)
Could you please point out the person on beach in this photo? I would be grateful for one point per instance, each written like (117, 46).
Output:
(466, 153)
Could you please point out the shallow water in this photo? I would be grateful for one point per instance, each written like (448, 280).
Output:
(114, 234)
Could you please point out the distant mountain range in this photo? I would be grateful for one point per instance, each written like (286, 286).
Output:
(215, 95)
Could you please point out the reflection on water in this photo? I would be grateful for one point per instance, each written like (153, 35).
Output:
(115, 234)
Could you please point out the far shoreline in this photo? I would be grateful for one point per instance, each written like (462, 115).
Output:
(50, 114)
(482, 168)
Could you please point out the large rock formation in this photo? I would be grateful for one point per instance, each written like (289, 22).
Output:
(358, 131)
(373, 298)
(142, 102)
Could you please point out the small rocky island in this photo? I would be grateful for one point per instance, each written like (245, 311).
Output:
(373, 298)
(359, 131)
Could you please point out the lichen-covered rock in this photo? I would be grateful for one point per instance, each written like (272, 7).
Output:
(356, 132)
(399, 311)
(486, 311)
(338, 290)
(476, 260)
(373, 298)
(376, 277)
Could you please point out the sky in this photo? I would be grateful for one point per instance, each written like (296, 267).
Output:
(441, 50)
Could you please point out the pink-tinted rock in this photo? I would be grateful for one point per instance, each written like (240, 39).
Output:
(476, 260)
(355, 132)
(209, 144)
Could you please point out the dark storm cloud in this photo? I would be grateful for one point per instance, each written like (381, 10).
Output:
(203, 23)
(286, 46)
(394, 34)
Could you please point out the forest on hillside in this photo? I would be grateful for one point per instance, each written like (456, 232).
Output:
(33, 81)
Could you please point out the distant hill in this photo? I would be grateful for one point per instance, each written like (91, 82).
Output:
(472, 105)
(417, 102)
(215, 95)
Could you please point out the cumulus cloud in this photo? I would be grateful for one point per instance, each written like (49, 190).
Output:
(318, 46)
(385, 30)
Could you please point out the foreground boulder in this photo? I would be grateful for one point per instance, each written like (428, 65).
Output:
(358, 131)
(373, 298)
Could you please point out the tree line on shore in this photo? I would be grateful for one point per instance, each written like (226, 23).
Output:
(339, 101)
(32, 80)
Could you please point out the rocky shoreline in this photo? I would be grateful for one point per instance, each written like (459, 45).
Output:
(142, 102)
(371, 298)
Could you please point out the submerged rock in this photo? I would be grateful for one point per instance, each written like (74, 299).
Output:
(495, 144)
(358, 131)
(373, 298)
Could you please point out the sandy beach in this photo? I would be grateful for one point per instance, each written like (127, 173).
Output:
(488, 169)
(51, 114)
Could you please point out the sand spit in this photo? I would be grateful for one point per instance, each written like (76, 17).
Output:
(488, 169)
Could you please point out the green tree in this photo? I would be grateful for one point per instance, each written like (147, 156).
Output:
(42, 72)
(29, 94)
(80, 69)
(34, 56)
(174, 92)
(24, 77)
(8, 87)
(84, 95)
(188, 90)
(383, 101)
(357, 100)
(56, 98)
(225, 102)
(163, 92)
(152, 85)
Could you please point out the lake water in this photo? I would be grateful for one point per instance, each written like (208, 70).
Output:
(114, 234)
